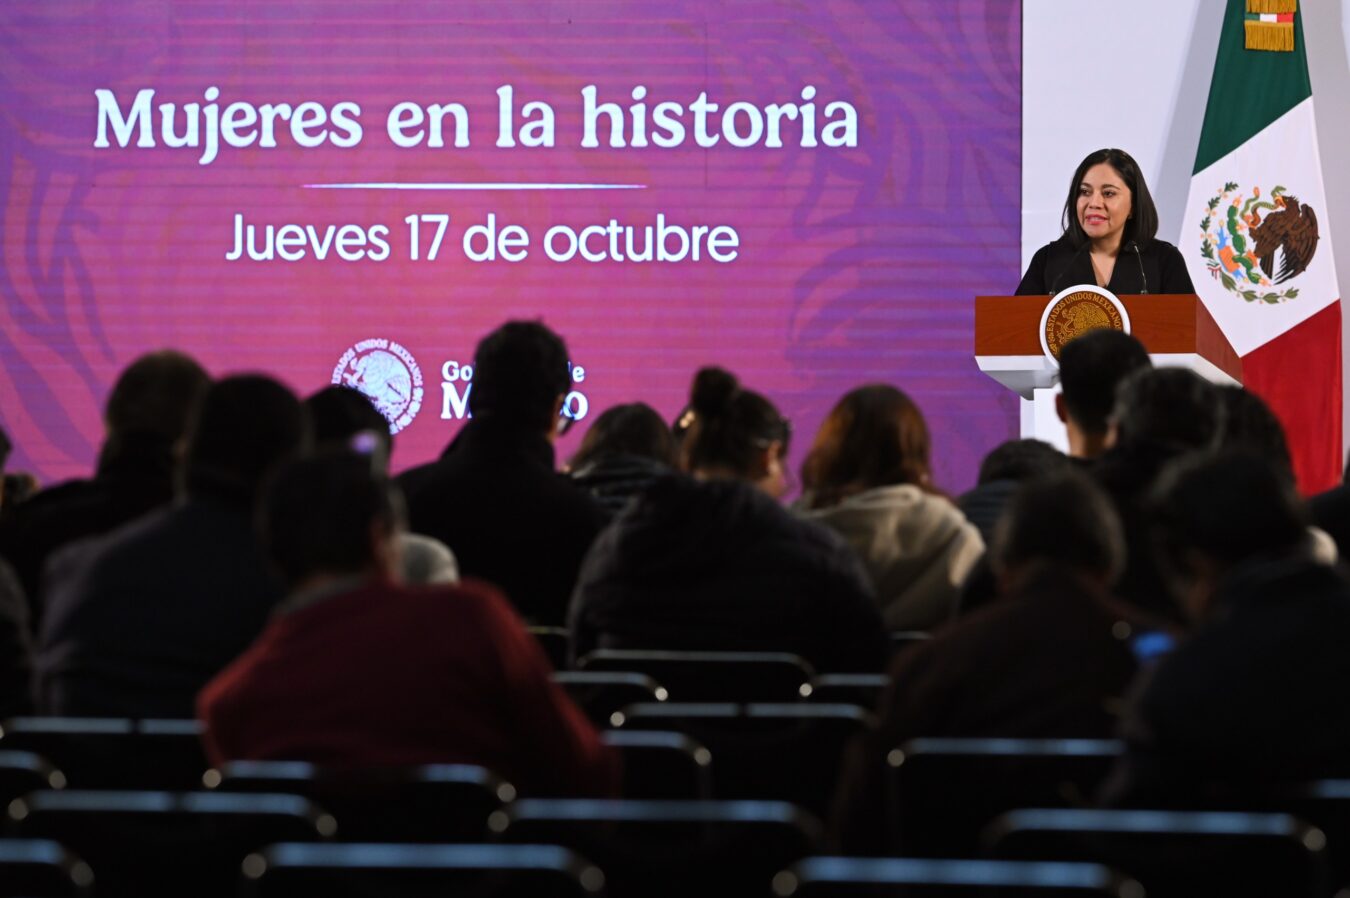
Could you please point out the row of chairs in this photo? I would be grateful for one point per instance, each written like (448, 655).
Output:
(156, 843)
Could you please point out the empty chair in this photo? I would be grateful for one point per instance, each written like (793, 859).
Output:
(419, 871)
(655, 849)
(41, 868)
(942, 792)
(555, 643)
(847, 877)
(113, 753)
(425, 803)
(1176, 854)
(768, 751)
(602, 692)
(662, 765)
(711, 676)
(22, 772)
(148, 844)
(861, 689)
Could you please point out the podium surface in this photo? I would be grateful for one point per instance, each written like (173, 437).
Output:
(1176, 329)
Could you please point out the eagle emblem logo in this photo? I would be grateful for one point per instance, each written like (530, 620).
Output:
(387, 373)
(1254, 244)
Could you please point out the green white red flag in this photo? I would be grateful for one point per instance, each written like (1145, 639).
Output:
(1256, 237)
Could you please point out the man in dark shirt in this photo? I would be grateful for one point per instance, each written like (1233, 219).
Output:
(142, 617)
(145, 419)
(493, 496)
(1256, 694)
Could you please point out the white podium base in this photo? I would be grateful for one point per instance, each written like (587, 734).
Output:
(1040, 421)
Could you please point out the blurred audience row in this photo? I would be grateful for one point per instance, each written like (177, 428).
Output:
(244, 556)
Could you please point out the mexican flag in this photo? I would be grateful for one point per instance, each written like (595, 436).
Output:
(1256, 236)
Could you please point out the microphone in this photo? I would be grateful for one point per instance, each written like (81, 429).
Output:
(1072, 259)
(1143, 277)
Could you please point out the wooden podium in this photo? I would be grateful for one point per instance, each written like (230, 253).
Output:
(1176, 329)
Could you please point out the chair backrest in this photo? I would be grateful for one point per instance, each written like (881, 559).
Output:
(660, 764)
(602, 692)
(942, 792)
(22, 772)
(1323, 803)
(364, 870)
(41, 868)
(655, 849)
(850, 877)
(113, 753)
(555, 643)
(905, 639)
(1176, 854)
(166, 843)
(424, 803)
(712, 676)
(788, 752)
(862, 689)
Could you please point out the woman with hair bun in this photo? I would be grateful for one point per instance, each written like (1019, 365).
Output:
(867, 477)
(709, 560)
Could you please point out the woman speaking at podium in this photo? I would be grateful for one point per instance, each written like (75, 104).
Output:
(1109, 223)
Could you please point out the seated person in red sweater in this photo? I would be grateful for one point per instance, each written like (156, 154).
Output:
(355, 669)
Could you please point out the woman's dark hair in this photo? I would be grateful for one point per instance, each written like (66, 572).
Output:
(631, 429)
(317, 514)
(874, 436)
(1143, 222)
(726, 426)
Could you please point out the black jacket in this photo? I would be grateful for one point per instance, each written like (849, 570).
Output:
(509, 517)
(1157, 267)
(143, 617)
(133, 477)
(1257, 694)
(720, 566)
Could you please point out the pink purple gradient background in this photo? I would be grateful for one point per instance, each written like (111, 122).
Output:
(856, 264)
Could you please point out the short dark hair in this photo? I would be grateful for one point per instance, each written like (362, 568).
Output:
(1231, 506)
(244, 426)
(1143, 222)
(634, 429)
(155, 394)
(1250, 424)
(338, 413)
(1091, 367)
(728, 426)
(317, 515)
(1173, 408)
(1062, 519)
(519, 371)
(874, 436)
(1021, 460)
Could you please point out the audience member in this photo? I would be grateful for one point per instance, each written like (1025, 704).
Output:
(1160, 415)
(144, 420)
(627, 448)
(867, 478)
(1253, 695)
(1052, 658)
(342, 417)
(712, 561)
(139, 619)
(356, 669)
(16, 642)
(1006, 467)
(1002, 472)
(1091, 368)
(494, 497)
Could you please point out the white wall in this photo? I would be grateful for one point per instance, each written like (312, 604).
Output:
(1098, 74)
